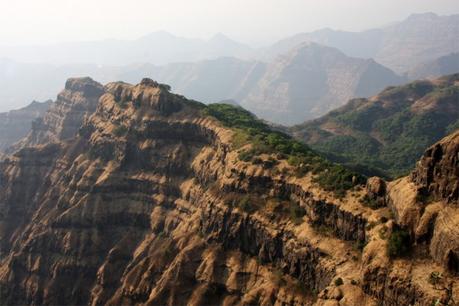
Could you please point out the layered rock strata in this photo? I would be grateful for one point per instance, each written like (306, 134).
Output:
(148, 203)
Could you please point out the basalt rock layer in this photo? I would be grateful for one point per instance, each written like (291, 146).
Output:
(150, 203)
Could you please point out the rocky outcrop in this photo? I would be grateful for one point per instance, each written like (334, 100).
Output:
(437, 173)
(15, 125)
(425, 204)
(150, 204)
(63, 120)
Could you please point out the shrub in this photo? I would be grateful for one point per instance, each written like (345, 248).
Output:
(269, 163)
(263, 139)
(246, 155)
(277, 277)
(359, 245)
(435, 277)
(399, 243)
(120, 130)
(104, 152)
(370, 202)
(296, 213)
(246, 204)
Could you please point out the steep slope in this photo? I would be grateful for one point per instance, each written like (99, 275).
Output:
(401, 46)
(311, 80)
(160, 200)
(444, 65)
(387, 133)
(63, 120)
(15, 124)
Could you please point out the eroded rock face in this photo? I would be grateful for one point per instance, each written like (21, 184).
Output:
(437, 173)
(144, 206)
(425, 203)
(63, 120)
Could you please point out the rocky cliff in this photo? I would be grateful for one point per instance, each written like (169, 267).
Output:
(160, 200)
(425, 205)
(78, 100)
(15, 124)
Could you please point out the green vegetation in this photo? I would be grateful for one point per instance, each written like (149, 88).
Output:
(399, 243)
(296, 213)
(120, 130)
(435, 277)
(338, 282)
(359, 245)
(264, 140)
(105, 152)
(386, 137)
(369, 202)
(423, 196)
(246, 204)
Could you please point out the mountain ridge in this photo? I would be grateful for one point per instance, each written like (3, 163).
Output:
(387, 133)
(422, 37)
(162, 200)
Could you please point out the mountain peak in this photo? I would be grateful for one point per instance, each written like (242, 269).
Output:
(158, 35)
(422, 16)
(220, 37)
(86, 85)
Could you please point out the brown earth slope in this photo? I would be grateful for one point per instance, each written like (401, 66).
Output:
(150, 203)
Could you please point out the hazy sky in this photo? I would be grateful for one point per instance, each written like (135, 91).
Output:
(250, 21)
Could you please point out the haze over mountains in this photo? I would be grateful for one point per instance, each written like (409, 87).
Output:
(220, 68)
(165, 171)
(400, 46)
(158, 48)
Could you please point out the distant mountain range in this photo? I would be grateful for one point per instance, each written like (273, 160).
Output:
(288, 82)
(444, 65)
(312, 80)
(15, 124)
(386, 134)
(400, 46)
(157, 48)
(302, 84)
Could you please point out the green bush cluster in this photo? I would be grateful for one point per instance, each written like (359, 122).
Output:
(296, 213)
(264, 139)
(246, 205)
(387, 141)
(120, 130)
(339, 281)
(399, 243)
(370, 202)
